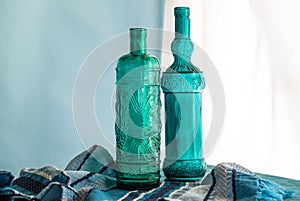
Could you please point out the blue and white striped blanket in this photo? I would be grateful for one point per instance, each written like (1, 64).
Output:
(89, 177)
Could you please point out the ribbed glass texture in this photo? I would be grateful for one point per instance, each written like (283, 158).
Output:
(182, 85)
(138, 124)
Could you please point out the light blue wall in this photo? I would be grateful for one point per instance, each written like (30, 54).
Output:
(42, 45)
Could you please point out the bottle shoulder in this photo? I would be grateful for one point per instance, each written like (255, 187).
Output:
(138, 60)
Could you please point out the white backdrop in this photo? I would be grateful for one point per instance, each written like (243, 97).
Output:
(255, 46)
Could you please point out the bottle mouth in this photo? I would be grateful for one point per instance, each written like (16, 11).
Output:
(137, 29)
(182, 11)
(136, 33)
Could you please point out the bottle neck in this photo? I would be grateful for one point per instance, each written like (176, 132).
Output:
(182, 27)
(138, 41)
(182, 47)
(138, 47)
(182, 22)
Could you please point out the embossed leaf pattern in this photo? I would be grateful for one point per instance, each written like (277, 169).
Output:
(139, 106)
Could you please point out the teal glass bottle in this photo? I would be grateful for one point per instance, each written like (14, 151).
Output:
(182, 84)
(138, 124)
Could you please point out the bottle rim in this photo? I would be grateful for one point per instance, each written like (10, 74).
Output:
(137, 32)
(179, 11)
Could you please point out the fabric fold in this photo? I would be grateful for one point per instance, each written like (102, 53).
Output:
(5, 178)
(87, 171)
(230, 181)
(90, 176)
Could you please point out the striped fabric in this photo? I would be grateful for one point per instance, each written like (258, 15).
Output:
(230, 181)
(89, 176)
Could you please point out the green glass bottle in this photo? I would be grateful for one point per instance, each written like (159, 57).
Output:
(138, 124)
(182, 84)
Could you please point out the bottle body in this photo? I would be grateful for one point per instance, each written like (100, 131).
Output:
(182, 85)
(183, 128)
(138, 124)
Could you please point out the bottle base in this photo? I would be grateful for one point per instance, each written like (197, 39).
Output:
(184, 170)
(132, 181)
(184, 179)
(137, 185)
